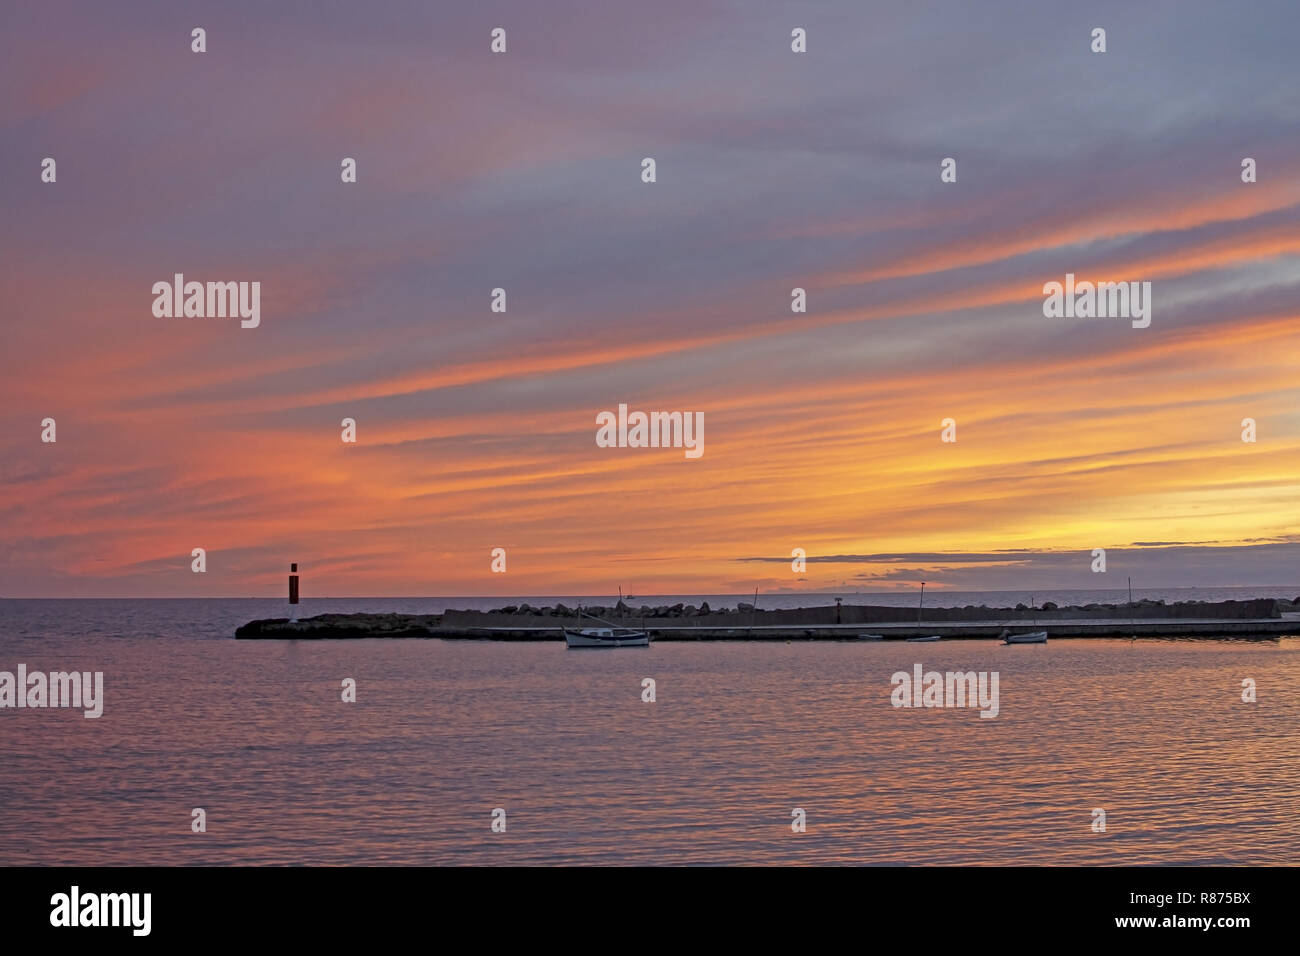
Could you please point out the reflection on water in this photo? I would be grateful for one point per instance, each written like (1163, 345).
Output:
(256, 733)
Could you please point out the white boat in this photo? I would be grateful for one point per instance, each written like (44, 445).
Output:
(606, 637)
(924, 640)
(1034, 637)
(871, 637)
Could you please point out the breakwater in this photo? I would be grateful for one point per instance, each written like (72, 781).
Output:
(1264, 617)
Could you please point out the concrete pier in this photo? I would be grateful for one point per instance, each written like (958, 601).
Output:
(1267, 618)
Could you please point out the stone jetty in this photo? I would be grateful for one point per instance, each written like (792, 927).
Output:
(1261, 618)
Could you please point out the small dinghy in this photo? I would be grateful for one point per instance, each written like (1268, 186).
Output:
(924, 640)
(606, 637)
(1034, 637)
(871, 637)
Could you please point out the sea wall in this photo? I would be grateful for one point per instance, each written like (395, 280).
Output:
(678, 616)
(1148, 618)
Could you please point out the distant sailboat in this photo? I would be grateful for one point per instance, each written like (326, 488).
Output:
(607, 636)
(919, 607)
(1033, 637)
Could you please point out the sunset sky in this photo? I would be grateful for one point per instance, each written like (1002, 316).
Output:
(522, 170)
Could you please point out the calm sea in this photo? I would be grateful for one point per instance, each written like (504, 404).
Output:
(442, 733)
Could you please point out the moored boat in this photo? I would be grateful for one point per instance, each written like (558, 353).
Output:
(606, 637)
(1033, 637)
(924, 640)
